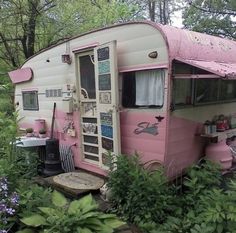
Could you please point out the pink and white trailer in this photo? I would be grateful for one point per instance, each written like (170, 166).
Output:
(135, 87)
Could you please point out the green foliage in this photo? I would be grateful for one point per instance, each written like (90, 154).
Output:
(79, 216)
(196, 205)
(22, 164)
(200, 178)
(138, 194)
(31, 199)
(6, 105)
(8, 129)
(211, 17)
(15, 163)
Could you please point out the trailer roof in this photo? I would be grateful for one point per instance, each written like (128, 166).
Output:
(211, 53)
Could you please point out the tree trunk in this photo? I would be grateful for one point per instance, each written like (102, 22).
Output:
(33, 14)
(152, 9)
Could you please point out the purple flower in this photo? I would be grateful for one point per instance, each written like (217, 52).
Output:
(7, 204)
(3, 231)
(14, 198)
(2, 208)
(3, 186)
(10, 211)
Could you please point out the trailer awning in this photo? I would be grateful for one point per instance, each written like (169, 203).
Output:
(223, 70)
(21, 75)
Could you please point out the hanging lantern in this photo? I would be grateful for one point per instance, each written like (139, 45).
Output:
(66, 58)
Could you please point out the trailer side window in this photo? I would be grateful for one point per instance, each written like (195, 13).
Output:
(227, 90)
(143, 89)
(207, 90)
(215, 90)
(30, 100)
(183, 91)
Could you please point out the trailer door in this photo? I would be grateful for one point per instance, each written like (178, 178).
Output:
(106, 80)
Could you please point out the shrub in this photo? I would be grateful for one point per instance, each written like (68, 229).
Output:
(138, 194)
(197, 205)
(6, 105)
(23, 165)
(77, 216)
(32, 198)
(8, 129)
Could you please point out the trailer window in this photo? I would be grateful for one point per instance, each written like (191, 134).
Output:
(207, 90)
(143, 89)
(183, 91)
(215, 90)
(227, 90)
(30, 100)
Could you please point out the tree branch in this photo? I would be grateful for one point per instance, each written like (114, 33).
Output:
(9, 51)
(208, 10)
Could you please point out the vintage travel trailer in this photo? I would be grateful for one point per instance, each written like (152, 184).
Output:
(134, 87)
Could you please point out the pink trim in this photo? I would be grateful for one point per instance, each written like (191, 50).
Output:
(21, 75)
(142, 67)
(88, 46)
(196, 76)
(225, 70)
(92, 168)
(192, 63)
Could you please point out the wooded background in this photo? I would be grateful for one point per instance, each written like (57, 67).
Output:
(27, 26)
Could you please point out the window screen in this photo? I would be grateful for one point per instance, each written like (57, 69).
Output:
(30, 100)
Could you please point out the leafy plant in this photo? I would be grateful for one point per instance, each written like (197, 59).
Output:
(199, 178)
(31, 199)
(8, 129)
(198, 204)
(29, 130)
(79, 216)
(23, 165)
(138, 194)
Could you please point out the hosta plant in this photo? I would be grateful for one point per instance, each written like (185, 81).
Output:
(80, 216)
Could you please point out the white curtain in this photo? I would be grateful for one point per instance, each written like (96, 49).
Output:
(149, 87)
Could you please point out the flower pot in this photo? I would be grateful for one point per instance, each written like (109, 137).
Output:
(42, 135)
(29, 135)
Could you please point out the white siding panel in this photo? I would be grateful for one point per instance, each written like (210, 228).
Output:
(134, 42)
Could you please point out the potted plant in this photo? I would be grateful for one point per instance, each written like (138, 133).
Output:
(42, 133)
(29, 132)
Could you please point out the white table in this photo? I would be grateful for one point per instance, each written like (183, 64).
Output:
(30, 142)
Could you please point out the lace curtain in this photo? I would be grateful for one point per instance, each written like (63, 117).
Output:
(150, 87)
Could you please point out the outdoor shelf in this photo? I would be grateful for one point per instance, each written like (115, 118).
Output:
(219, 136)
(30, 142)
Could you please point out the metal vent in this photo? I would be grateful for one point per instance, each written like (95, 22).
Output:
(53, 93)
